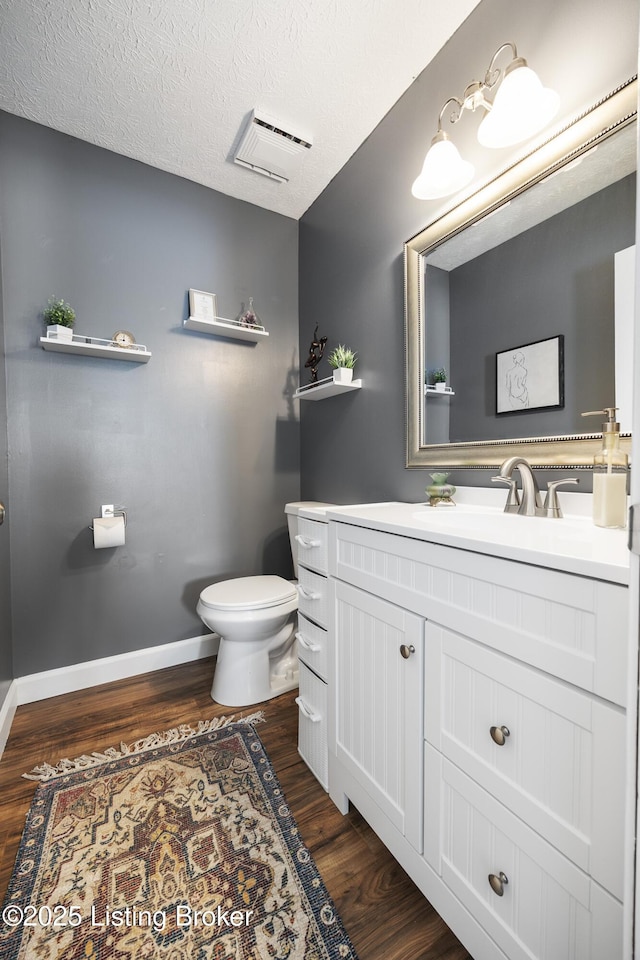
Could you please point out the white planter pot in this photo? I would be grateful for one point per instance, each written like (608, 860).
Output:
(441, 387)
(343, 375)
(56, 331)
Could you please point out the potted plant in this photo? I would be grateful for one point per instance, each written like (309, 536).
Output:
(439, 378)
(59, 318)
(343, 360)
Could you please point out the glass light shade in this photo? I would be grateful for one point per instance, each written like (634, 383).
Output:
(521, 107)
(444, 171)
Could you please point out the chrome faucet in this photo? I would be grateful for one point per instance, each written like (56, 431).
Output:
(530, 504)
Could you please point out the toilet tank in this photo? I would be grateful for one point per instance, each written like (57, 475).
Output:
(292, 511)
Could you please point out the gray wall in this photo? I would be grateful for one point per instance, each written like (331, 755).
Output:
(498, 303)
(351, 238)
(200, 444)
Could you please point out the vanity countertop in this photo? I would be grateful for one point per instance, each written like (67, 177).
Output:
(572, 544)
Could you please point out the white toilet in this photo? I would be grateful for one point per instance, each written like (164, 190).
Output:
(255, 619)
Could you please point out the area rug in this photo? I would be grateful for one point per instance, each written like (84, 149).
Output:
(181, 847)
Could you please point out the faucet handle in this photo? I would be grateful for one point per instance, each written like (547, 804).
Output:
(513, 500)
(551, 506)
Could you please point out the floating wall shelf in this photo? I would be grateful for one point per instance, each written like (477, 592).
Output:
(95, 347)
(220, 327)
(325, 388)
(441, 393)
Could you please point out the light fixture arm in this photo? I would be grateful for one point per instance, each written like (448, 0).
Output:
(474, 94)
(456, 113)
(493, 73)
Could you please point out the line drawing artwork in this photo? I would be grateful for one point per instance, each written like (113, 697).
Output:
(530, 376)
(516, 383)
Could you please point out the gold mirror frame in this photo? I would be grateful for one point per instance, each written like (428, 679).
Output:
(609, 115)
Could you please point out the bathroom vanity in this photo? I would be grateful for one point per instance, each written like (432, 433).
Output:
(475, 698)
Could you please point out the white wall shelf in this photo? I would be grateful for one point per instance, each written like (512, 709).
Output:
(325, 388)
(220, 327)
(440, 393)
(95, 347)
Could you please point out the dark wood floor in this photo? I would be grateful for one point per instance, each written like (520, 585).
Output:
(384, 913)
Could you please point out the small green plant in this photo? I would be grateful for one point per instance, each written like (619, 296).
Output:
(57, 311)
(439, 375)
(342, 357)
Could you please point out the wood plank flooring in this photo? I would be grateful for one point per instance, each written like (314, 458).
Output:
(384, 913)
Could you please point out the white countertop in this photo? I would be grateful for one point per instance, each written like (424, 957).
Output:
(572, 544)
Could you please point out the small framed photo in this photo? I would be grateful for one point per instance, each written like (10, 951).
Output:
(202, 306)
(530, 377)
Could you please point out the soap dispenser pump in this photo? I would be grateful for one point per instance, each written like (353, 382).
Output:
(610, 474)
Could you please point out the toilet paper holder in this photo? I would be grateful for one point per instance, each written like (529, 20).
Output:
(109, 510)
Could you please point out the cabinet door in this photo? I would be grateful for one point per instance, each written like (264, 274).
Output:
(560, 763)
(378, 693)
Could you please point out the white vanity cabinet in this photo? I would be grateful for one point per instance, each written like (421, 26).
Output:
(313, 615)
(477, 721)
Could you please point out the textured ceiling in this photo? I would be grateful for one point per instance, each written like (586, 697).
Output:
(171, 82)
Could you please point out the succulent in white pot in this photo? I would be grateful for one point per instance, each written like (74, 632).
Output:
(59, 317)
(440, 378)
(343, 360)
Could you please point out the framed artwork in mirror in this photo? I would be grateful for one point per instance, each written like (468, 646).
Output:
(531, 376)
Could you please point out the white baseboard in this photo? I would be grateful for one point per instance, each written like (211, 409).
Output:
(79, 676)
(7, 712)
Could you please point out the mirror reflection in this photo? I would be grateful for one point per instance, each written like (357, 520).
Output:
(552, 266)
(523, 294)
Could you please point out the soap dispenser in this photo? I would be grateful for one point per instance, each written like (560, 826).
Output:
(610, 474)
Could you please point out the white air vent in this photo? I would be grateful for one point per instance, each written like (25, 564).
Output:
(269, 149)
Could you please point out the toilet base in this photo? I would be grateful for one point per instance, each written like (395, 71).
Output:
(277, 685)
(247, 673)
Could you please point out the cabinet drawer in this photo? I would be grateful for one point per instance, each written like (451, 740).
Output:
(312, 646)
(312, 724)
(552, 754)
(572, 627)
(313, 599)
(312, 540)
(549, 908)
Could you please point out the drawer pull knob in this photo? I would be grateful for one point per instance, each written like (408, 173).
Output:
(307, 711)
(307, 644)
(306, 542)
(308, 594)
(498, 883)
(499, 735)
(406, 651)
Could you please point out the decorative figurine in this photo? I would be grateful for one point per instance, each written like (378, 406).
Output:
(440, 491)
(314, 358)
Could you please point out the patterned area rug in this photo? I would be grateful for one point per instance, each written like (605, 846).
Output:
(183, 850)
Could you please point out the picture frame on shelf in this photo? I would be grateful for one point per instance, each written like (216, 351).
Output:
(531, 376)
(202, 305)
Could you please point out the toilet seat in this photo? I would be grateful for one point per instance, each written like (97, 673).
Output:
(248, 593)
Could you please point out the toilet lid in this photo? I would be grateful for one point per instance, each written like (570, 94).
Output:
(248, 593)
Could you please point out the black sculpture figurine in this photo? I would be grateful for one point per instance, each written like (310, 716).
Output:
(314, 358)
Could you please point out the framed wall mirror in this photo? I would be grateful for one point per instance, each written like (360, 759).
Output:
(541, 255)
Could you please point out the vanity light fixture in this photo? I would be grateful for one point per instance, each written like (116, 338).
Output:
(520, 108)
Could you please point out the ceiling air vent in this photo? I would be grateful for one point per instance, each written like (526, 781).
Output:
(267, 148)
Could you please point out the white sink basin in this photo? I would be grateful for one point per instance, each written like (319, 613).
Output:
(493, 525)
